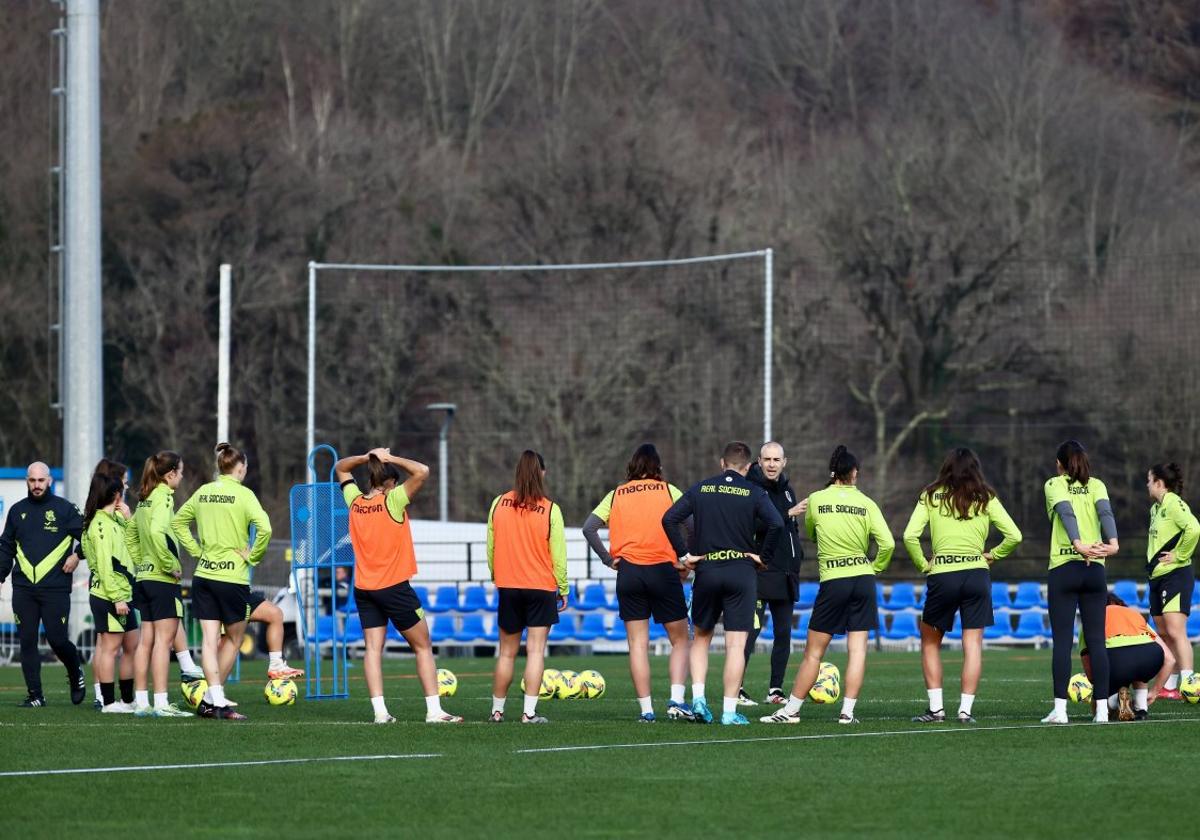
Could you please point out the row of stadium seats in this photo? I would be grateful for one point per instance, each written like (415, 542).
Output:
(588, 627)
(900, 596)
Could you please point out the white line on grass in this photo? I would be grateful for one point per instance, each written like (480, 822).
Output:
(823, 737)
(210, 764)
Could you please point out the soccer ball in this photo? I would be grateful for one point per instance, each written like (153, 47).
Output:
(447, 683)
(1190, 688)
(193, 692)
(570, 687)
(828, 687)
(550, 682)
(280, 692)
(591, 685)
(1079, 689)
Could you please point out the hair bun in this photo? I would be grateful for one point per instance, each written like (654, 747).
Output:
(222, 447)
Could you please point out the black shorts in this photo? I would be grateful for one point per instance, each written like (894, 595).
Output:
(521, 608)
(728, 588)
(1172, 592)
(1133, 663)
(645, 591)
(106, 620)
(398, 604)
(845, 605)
(968, 591)
(254, 598)
(219, 600)
(157, 600)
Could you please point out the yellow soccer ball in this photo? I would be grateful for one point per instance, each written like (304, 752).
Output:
(193, 692)
(447, 683)
(569, 686)
(550, 681)
(1079, 689)
(591, 685)
(828, 687)
(280, 692)
(1190, 688)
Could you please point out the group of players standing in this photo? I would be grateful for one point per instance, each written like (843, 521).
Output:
(737, 532)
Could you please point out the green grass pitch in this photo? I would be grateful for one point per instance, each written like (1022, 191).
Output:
(605, 776)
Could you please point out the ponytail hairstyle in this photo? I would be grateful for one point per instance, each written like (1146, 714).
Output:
(104, 488)
(111, 469)
(1115, 601)
(1074, 460)
(156, 468)
(379, 473)
(841, 464)
(528, 484)
(228, 457)
(1170, 474)
(960, 479)
(645, 463)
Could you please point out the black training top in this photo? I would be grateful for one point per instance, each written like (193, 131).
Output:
(726, 511)
(38, 536)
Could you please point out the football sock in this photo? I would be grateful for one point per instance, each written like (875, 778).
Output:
(185, 661)
(935, 699)
(96, 686)
(276, 660)
(966, 703)
(160, 700)
(848, 704)
(1114, 701)
(647, 705)
(108, 693)
(697, 691)
(793, 705)
(729, 705)
(1102, 712)
(1172, 682)
(218, 695)
(433, 705)
(677, 693)
(1184, 674)
(1140, 696)
(141, 698)
(1060, 706)
(379, 705)
(126, 691)
(530, 705)
(498, 705)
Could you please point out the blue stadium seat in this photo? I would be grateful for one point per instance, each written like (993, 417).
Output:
(879, 599)
(1196, 596)
(903, 596)
(422, 593)
(904, 626)
(594, 598)
(348, 606)
(617, 633)
(572, 596)
(956, 631)
(353, 631)
(1193, 626)
(474, 598)
(1127, 591)
(471, 629)
(1029, 594)
(564, 631)
(1000, 597)
(801, 631)
(441, 628)
(1001, 629)
(807, 595)
(1031, 625)
(393, 635)
(613, 604)
(591, 627)
(323, 629)
(657, 631)
(445, 600)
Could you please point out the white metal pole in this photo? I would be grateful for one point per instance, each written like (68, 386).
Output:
(444, 470)
(768, 336)
(311, 423)
(225, 319)
(83, 385)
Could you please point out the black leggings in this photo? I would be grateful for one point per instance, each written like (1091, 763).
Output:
(781, 648)
(31, 606)
(1081, 585)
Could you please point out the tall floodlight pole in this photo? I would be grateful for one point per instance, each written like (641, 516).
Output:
(83, 391)
(225, 318)
(444, 458)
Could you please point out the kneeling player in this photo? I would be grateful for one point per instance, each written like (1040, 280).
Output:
(648, 583)
(1136, 657)
(384, 562)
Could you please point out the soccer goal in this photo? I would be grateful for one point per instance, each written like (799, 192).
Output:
(583, 361)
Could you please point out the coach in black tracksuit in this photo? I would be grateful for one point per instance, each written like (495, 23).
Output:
(39, 536)
(779, 580)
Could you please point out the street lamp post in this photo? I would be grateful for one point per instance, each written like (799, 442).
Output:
(444, 458)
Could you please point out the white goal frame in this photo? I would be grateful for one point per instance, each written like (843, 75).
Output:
(767, 255)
